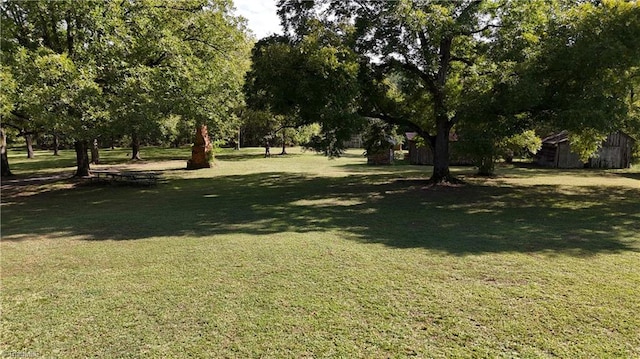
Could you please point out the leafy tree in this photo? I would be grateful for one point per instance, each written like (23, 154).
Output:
(7, 100)
(185, 59)
(309, 81)
(415, 61)
(379, 137)
(521, 144)
(582, 79)
(489, 69)
(99, 66)
(45, 47)
(255, 125)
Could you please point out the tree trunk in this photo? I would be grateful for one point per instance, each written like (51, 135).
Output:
(56, 144)
(95, 153)
(4, 166)
(29, 140)
(82, 158)
(284, 144)
(486, 166)
(135, 147)
(441, 171)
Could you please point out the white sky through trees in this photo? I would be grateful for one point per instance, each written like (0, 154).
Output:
(261, 16)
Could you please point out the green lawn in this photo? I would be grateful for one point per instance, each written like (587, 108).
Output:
(301, 256)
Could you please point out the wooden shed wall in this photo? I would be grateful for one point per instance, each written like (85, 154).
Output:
(615, 152)
(354, 142)
(420, 155)
(546, 156)
(567, 159)
(424, 155)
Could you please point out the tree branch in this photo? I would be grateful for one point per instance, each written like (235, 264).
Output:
(362, 6)
(486, 27)
(428, 80)
(157, 61)
(445, 60)
(21, 129)
(185, 9)
(396, 121)
(285, 126)
(214, 47)
(463, 60)
(423, 44)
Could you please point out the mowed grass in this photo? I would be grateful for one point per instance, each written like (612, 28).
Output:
(301, 256)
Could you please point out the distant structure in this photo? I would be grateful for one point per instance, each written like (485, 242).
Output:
(354, 142)
(423, 155)
(615, 152)
(556, 152)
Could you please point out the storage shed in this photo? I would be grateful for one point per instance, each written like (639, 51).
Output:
(423, 155)
(556, 152)
(615, 152)
(418, 155)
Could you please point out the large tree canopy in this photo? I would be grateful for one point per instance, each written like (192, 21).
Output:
(82, 67)
(313, 80)
(490, 68)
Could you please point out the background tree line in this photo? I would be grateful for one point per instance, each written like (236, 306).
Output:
(486, 70)
(493, 72)
(140, 71)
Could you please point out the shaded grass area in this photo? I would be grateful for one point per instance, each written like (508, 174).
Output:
(44, 161)
(475, 218)
(303, 257)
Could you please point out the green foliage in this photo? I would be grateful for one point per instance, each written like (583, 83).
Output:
(379, 137)
(479, 143)
(586, 143)
(583, 73)
(313, 80)
(188, 60)
(8, 87)
(112, 68)
(255, 125)
(491, 68)
(519, 145)
(304, 134)
(420, 63)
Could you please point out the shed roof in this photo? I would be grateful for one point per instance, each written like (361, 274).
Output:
(557, 138)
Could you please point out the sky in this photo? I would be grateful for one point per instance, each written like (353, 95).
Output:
(261, 15)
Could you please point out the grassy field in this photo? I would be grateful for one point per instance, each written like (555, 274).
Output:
(300, 256)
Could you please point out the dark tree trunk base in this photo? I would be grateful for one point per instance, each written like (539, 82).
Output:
(135, 147)
(95, 153)
(445, 180)
(56, 144)
(29, 140)
(82, 159)
(135, 153)
(4, 165)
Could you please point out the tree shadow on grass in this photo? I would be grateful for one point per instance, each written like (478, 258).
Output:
(370, 208)
(635, 176)
(235, 157)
